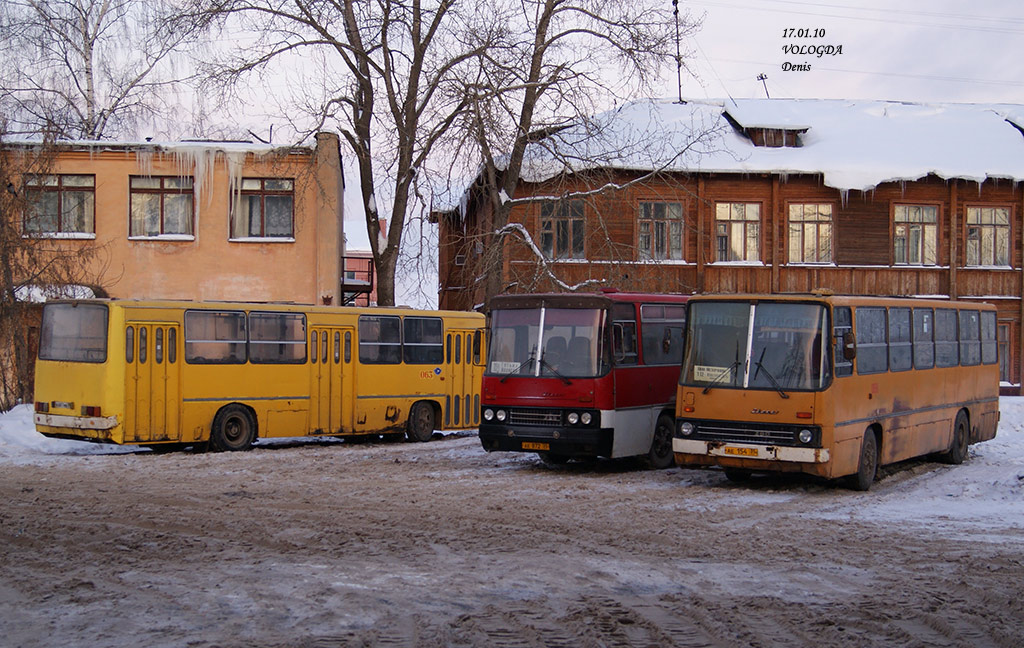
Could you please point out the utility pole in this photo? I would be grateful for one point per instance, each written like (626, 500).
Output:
(763, 78)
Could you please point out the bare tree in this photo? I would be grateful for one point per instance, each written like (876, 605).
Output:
(559, 62)
(87, 69)
(32, 268)
(392, 73)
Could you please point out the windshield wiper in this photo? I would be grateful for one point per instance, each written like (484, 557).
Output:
(717, 379)
(519, 368)
(767, 373)
(545, 363)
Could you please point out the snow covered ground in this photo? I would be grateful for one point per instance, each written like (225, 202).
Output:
(987, 491)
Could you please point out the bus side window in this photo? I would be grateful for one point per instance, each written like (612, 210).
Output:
(900, 350)
(924, 342)
(323, 347)
(129, 345)
(624, 334)
(142, 344)
(158, 346)
(348, 347)
(458, 350)
(872, 347)
(842, 333)
(337, 347)
(477, 345)
(946, 348)
(989, 345)
(314, 346)
(448, 350)
(172, 345)
(970, 338)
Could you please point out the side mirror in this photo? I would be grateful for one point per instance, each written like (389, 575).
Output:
(849, 345)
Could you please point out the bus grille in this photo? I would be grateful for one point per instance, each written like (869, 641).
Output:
(754, 433)
(533, 416)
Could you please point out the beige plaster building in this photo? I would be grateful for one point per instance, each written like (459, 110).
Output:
(193, 220)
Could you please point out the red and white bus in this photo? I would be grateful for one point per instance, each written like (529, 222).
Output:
(580, 376)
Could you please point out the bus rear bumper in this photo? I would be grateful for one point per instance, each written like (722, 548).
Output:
(76, 422)
(747, 451)
(562, 441)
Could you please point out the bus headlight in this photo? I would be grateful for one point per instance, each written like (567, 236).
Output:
(586, 418)
(500, 415)
(686, 428)
(573, 418)
(805, 436)
(488, 414)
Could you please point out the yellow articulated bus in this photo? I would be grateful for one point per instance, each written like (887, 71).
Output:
(834, 386)
(179, 373)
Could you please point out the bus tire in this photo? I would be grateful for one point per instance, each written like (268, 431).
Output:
(867, 464)
(958, 445)
(233, 428)
(421, 422)
(660, 455)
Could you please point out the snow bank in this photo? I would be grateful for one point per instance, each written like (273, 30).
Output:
(21, 444)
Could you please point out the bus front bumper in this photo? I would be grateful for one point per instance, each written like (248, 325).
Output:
(749, 451)
(559, 441)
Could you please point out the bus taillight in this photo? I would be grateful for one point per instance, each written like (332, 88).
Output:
(91, 410)
(42, 408)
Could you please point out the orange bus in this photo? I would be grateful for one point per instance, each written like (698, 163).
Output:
(834, 386)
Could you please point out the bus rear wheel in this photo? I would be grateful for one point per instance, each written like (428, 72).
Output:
(233, 429)
(958, 445)
(867, 466)
(421, 422)
(660, 455)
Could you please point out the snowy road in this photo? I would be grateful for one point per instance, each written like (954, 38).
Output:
(335, 544)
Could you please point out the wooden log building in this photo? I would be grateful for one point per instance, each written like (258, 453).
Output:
(779, 196)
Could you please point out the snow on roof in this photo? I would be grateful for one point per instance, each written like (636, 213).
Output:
(852, 144)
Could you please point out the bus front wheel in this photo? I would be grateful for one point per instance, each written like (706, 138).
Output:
(421, 422)
(660, 455)
(867, 465)
(958, 449)
(233, 429)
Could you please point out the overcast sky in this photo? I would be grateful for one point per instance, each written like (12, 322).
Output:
(906, 50)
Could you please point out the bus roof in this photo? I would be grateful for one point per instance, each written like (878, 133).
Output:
(581, 300)
(265, 306)
(933, 301)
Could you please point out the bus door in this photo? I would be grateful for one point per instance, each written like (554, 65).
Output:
(152, 382)
(330, 356)
(462, 395)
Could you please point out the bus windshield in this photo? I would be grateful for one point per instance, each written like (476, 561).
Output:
(766, 345)
(74, 333)
(547, 342)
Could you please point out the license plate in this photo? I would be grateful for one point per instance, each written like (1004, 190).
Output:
(740, 452)
(529, 445)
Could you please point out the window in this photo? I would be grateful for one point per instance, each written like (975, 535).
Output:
(161, 206)
(422, 344)
(264, 209)
(810, 233)
(380, 339)
(73, 333)
(277, 338)
(213, 337)
(988, 236)
(924, 344)
(945, 338)
(662, 333)
(872, 350)
(738, 231)
(900, 350)
(660, 231)
(562, 230)
(970, 337)
(843, 325)
(915, 237)
(989, 349)
(60, 204)
(624, 334)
